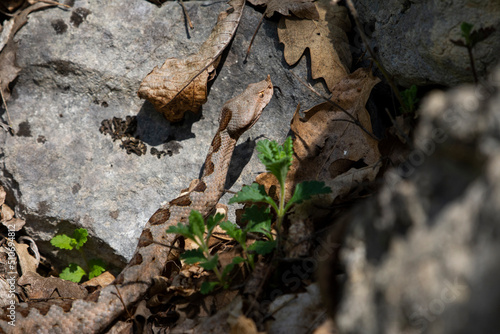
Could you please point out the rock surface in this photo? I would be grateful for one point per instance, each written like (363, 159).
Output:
(84, 65)
(422, 256)
(413, 38)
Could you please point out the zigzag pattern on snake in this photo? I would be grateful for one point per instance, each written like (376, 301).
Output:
(98, 313)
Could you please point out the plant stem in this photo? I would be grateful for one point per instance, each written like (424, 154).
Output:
(472, 66)
(281, 213)
(218, 274)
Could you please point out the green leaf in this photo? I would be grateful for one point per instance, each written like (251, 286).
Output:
(181, 229)
(97, 267)
(80, 235)
(410, 100)
(252, 193)
(480, 35)
(229, 267)
(193, 256)
(262, 247)
(213, 221)
(277, 158)
(208, 287)
(63, 241)
(466, 29)
(196, 224)
(259, 220)
(73, 273)
(305, 190)
(233, 231)
(238, 260)
(210, 264)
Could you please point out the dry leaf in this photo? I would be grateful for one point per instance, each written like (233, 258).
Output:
(244, 325)
(327, 144)
(27, 261)
(15, 224)
(181, 84)
(3, 194)
(39, 287)
(326, 40)
(301, 8)
(8, 48)
(6, 214)
(100, 281)
(9, 70)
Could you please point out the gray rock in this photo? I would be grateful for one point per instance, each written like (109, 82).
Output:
(84, 65)
(413, 38)
(422, 256)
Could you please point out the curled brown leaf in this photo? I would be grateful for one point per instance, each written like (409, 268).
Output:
(329, 146)
(180, 85)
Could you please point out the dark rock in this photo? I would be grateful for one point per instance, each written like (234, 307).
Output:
(413, 38)
(422, 256)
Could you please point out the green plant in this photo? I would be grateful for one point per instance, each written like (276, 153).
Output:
(277, 159)
(471, 38)
(409, 98)
(74, 272)
(200, 233)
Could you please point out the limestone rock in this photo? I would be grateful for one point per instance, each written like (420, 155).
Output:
(84, 65)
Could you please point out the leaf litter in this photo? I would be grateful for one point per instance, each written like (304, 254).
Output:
(328, 145)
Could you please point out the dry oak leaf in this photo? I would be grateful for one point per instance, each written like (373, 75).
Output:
(39, 287)
(301, 8)
(181, 84)
(328, 146)
(326, 40)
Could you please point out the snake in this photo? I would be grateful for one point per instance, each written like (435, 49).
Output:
(98, 311)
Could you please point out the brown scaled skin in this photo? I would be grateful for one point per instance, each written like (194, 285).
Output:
(149, 260)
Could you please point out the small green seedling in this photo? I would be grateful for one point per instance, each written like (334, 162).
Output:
(471, 38)
(74, 272)
(409, 98)
(277, 159)
(200, 233)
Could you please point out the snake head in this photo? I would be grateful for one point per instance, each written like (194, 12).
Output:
(241, 112)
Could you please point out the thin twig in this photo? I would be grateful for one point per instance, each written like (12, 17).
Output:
(186, 14)
(6, 112)
(123, 302)
(472, 66)
(253, 36)
(354, 120)
(160, 243)
(354, 13)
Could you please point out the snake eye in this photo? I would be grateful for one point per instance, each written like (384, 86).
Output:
(261, 94)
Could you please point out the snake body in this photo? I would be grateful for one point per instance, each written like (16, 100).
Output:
(150, 258)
